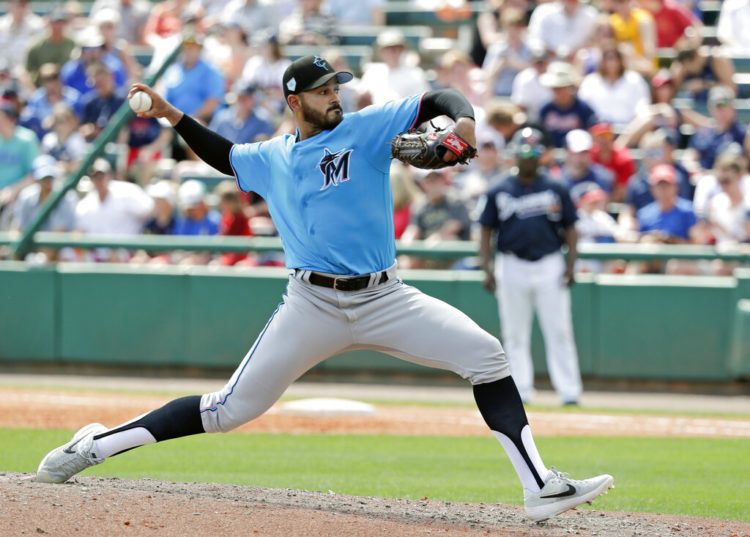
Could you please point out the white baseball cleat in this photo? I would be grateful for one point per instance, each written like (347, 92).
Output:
(64, 462)
(561, 493)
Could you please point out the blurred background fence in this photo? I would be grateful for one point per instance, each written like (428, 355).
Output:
(640, 327)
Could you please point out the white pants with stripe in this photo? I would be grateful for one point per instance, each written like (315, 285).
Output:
(313, 323)
(523, 288)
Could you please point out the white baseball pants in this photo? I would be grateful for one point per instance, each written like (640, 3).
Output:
(313, 323)
(525, 287)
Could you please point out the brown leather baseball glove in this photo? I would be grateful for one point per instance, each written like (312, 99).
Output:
(426, 150)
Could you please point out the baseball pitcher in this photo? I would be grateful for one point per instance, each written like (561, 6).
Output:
(328, 193)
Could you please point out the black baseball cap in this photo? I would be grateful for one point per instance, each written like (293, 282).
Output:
(310, 72)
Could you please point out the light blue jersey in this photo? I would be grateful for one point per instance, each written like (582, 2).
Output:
(330, 195)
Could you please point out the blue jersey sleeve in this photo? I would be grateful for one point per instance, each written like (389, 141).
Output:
(379, 124)
(488, 210)
(250, 165)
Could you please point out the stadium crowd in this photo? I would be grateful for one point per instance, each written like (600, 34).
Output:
(649, 155)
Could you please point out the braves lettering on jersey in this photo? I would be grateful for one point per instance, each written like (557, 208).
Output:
(306, 183)
(528, 218)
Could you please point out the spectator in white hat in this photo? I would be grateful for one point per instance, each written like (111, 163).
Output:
(91, 51)
(45, 172)
(195, 217)
(396, 75)
(163, 221)
(107, 21)
(112, 208)
(594, 226)
(565, 112)
(579, 173)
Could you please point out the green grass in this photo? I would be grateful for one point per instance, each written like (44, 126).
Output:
(700, 477)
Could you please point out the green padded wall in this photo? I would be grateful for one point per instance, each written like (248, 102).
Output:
(116, 314)
(740, 350)
(645, 327)
(652, 327)
(28, 312)
(227, 310)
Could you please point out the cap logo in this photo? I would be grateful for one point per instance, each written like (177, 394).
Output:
(320, 62)
(291, 84)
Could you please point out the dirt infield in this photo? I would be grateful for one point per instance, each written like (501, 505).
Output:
(50, 409)
(96, 506)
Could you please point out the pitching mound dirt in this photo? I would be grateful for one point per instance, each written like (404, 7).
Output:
(95, 506)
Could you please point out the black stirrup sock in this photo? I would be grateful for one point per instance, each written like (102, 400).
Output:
(176, 419)
(502, 409)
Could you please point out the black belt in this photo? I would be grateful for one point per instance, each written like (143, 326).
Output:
(344, 283)
(522, 257)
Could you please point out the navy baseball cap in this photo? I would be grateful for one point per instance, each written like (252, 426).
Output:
(310, 72)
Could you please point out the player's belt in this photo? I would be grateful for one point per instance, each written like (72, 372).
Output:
(347, 283)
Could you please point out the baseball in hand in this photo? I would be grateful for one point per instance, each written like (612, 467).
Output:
(140, 102)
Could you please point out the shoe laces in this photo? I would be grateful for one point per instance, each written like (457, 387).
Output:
(82, 458)
(75, 464)
(561, 477)
(557, 474)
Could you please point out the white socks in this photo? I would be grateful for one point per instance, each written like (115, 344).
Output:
(118, 442)
(519, 463)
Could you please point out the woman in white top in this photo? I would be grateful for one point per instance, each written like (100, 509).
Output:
(728, 210)
(615, 93)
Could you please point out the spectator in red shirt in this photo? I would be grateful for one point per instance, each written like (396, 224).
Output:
(671, 19)
(233, 220)
(615, 159)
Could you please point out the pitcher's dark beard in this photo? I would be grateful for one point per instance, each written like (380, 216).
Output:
(323, 121)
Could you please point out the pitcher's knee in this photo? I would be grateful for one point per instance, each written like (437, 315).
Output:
(221, 413)
(490, 362)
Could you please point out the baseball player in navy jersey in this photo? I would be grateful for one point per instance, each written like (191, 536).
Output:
(328, 192)
(532, 217)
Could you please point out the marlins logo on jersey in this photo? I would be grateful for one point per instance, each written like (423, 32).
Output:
(334, 167)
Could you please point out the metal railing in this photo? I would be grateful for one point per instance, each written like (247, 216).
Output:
(443, 250)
